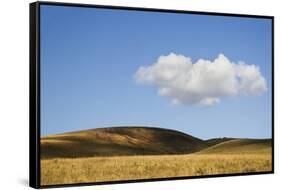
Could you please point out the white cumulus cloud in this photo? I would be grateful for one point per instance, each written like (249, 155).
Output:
(202, 83)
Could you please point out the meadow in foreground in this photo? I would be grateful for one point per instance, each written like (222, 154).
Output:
(97, 169)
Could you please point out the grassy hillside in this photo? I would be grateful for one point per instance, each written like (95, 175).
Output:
(240, 146)
(214, 141)
(118, 141)
(124, 153)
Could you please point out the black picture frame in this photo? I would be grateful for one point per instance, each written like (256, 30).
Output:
(34, 91)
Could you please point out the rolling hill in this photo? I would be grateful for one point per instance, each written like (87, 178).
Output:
(239, 146)
(123, 141)
(117, 141)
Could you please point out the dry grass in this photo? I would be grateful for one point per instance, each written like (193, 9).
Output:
(97, 169)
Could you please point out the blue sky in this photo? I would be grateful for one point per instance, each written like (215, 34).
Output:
(89, 58)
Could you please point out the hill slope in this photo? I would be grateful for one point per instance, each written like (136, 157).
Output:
(118, 141)
(214, 141)
(240, 146)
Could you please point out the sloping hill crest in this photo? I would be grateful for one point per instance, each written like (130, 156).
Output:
(239, 146)
(118, 141)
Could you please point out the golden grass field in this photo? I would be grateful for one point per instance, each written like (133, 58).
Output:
(97, 169)
(131, 153)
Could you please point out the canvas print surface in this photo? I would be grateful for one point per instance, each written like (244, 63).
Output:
(129, 95)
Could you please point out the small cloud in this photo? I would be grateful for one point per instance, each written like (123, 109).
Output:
(202, 83)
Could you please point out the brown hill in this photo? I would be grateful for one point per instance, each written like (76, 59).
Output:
(240, 146)
(117, 141)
